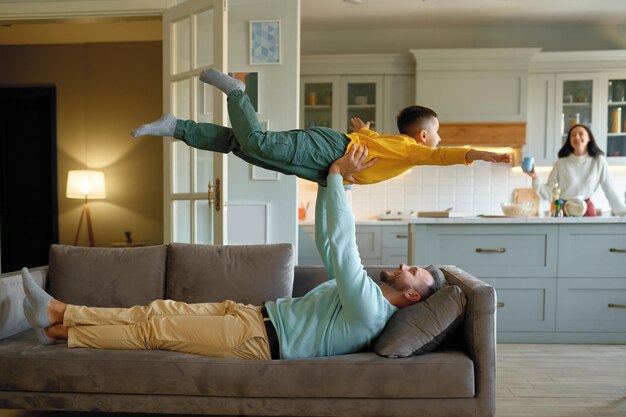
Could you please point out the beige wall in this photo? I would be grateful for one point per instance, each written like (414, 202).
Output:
(104, 90)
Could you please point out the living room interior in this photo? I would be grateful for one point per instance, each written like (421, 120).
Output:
(108, 74)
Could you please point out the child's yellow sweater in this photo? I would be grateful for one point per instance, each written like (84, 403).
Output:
(398, 153)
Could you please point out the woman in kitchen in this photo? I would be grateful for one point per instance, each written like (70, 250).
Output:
(579, 171)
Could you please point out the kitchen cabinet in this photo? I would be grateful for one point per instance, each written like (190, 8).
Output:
(474, 85)
(336, 88)
(378, 244)
(567, 88)
(592, 279)
(557, 280)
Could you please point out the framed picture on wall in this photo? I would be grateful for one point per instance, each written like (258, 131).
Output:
(265, 42)
(251, 79)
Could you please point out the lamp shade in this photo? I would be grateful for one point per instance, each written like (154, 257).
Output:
(85, 184)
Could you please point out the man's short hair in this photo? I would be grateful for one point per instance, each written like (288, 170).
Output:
(414, 118)
(438, 277)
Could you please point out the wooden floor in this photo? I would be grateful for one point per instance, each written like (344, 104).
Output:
(533, 381)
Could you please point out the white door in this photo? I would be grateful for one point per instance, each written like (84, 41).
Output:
(194, 39)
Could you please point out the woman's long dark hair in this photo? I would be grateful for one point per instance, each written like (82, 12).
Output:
(592, 146)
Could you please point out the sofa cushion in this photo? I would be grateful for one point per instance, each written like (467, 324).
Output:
(248, 274)
(12, 320)
(422, 327)
(27, 366)
(107, 277)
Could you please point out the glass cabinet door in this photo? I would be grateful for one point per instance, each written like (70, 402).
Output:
(319, 98)
(616, 120)
(577, 99)
(363, 99)
(362, 103)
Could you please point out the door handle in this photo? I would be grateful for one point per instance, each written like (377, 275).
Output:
(209, 194)
(214, 195)
(617, 250)
(500, 305)
(613, 305)
(499, 250)
(218, 195)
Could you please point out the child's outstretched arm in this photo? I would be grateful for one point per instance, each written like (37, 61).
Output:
(357, 124)
(476, 155)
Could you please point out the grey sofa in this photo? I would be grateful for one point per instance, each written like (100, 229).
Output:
(456, 380)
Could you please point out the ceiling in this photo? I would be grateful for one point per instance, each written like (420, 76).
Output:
(387, 14)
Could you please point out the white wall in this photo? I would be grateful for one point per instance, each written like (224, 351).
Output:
(477, 189)
(278, 102)
(550, 38)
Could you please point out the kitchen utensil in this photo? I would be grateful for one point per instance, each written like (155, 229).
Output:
(527, 194)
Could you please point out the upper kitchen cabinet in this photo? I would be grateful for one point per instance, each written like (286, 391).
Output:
(568, 88)
(613, 111)
(373, 88)
(474, 85)
(320, 98)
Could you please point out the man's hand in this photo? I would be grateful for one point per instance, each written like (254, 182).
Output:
(357, 124)
(351, 163)
(476, 155)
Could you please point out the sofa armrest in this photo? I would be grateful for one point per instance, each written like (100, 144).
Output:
(479, 331)
(12, 320)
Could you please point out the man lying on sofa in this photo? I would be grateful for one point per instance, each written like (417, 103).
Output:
(342, 315)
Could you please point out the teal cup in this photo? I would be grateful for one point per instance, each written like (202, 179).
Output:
(528, 163)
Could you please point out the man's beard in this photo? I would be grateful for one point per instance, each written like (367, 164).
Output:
(391, 280)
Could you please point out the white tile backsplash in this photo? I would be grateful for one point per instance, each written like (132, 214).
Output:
(477, 189)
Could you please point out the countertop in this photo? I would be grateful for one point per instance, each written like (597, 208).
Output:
(365, 222)
(486, 220)
(520, 220)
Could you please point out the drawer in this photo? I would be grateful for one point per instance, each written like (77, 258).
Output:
(525, 304)
(598, 251)
(494, 251)
(396, 237)
(591, 305)
(368, 240)
(394, 256)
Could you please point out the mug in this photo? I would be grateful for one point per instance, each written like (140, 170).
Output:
(528, 163)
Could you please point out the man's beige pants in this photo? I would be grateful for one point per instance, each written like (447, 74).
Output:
(224, 330)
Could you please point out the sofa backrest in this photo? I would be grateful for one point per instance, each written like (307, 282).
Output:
(308, 277)
(249, 274)
(106, 277)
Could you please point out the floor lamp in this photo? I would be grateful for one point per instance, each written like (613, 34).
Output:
(85, 185)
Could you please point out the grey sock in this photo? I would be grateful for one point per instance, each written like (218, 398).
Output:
(37, 298)
(224, 82)
(165, 126)
(30, 316)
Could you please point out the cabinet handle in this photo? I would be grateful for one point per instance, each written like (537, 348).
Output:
(499, 250)
(500, 305)
(402, 236)
(617, 250)
(612, 305)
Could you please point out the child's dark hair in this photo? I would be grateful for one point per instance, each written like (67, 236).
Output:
(414, 118)
(592, 147)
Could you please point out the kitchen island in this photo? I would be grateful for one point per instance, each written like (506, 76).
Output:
(559, 280)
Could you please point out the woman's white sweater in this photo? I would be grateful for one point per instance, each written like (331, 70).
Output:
(581, 176)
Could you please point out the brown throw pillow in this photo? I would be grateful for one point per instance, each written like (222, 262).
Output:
(420, 328)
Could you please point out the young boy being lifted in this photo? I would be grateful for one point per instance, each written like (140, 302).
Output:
(309, 153)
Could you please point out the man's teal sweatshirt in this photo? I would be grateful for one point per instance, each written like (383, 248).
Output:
(344, 314)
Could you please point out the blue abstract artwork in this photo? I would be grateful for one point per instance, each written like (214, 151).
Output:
(264, 42)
